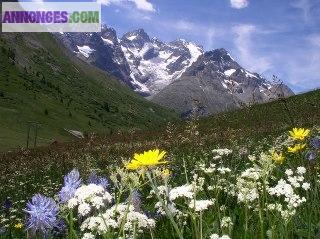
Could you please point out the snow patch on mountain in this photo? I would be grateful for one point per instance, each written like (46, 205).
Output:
(195, 51)
(229, 72)
(85, 50)
(250, 75)
(107, 41)
(131, 38)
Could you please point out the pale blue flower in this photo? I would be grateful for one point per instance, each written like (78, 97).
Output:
(71, 182)
(135, 200)
(95, 179)
(311, 155)
(315, 142)
(42, 214)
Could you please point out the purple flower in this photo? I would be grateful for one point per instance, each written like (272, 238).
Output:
(7, 204)
(135, 200)
(95, 179)
(73, 178)
(60, 229)
(315, 142)
(71, 182)
(42, 214)
(311, 155)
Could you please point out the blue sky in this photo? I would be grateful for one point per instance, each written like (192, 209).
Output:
(280, 37)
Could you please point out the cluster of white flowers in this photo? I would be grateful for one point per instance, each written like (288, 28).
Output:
(200, 205)
(88, 197)
(252, 158)
(297, 180)
(216, 236)
(219, 153)
(162, 190)
(222, 152)
(224, 170)
(185, 191)
(251, 173)
(247, 185)
(208, 170)
(219, 178)
(286, 214)
(226, 222)
(170, 206)
(88, 236)
(286, 189)
(114, 217)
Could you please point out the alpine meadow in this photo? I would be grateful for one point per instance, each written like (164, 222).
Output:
(178, 119)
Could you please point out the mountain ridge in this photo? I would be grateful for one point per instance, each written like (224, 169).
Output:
(150, 67)
(217, 83)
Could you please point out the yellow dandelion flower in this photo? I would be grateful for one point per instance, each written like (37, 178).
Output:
(18, 226)
(147, 159)
(296, 148)
(299, 133)
(277, 157)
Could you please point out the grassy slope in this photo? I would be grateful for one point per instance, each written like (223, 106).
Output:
(270, 118)
(39, 82)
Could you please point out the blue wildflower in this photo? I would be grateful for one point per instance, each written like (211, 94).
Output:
(60, 229)
(71, 182)
(42, 214)
(311, 155)
(154, 215)
(315, 142)
(7, 204)
(95, 179)
(135, 200)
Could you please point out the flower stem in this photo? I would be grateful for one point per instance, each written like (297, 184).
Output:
(168, 212)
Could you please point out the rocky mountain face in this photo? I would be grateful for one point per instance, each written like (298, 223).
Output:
(156, 64)
(178, 74)
(216, 83)
(100, 49)
(144, 64)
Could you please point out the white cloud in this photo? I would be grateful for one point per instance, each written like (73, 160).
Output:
(238, 4)
(304, 6)
(184, 25)
(246, 49)
(108, 2)
(314, 40)
(143, 5)
(195, 30)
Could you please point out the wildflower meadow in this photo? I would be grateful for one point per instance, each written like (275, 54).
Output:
(264, 189)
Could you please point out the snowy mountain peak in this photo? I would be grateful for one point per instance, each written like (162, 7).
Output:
(154, 63)
(135, 38)
(219, 55)
(148, 65)
(109, 35)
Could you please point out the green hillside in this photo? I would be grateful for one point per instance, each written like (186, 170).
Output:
(265, 119)
(40, 83)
